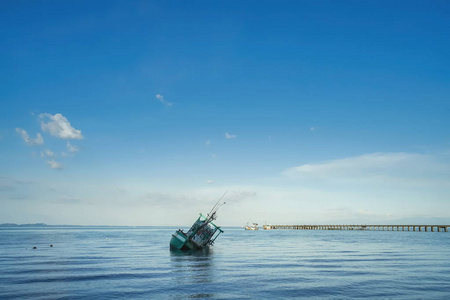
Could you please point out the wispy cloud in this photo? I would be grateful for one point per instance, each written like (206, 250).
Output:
(67, 200)
(199, 197)
(54, 164)
(71, 148)
(230, 136)
(162, 100)
(376, 167)
(10, 183)
(58, 126)
(349, 214)
(48, 153)
(39, 140)
(374, 163)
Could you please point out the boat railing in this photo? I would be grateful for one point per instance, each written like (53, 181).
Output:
(210, 222)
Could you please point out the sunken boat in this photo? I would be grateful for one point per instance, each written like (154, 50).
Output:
(202, 233)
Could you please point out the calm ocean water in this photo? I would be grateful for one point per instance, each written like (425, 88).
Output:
(135, 263)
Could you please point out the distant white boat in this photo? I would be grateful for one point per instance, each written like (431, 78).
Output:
(267, 227)
(254, 226)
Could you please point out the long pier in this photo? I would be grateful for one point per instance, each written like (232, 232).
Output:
(431, 228)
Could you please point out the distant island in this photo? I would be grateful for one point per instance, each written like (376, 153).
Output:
(39, 225)
(46, 225)
(23, 225)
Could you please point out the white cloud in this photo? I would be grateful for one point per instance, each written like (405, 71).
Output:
(39, 140)
(374, 163)
(209, 181)
(47, 153)
(208, 143)
(54, 164)
(162, 100)
(400, 167)
(230, 136)
(58, 126)
(72, 148)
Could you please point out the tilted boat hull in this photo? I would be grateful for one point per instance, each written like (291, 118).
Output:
(202, 233)
(178, 240)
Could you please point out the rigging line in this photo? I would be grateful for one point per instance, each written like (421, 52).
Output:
(217, 206)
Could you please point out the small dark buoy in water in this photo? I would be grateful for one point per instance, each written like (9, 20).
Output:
(51, 245)
(34, 247)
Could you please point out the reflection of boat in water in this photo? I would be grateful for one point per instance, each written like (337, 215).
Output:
(202, 233)
(254, 226)
(195, 267)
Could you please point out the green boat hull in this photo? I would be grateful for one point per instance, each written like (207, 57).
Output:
(202, 233)
(179, 241)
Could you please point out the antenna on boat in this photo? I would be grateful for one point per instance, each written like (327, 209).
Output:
(212, 214)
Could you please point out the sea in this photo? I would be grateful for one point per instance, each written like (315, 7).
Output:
(136, 263)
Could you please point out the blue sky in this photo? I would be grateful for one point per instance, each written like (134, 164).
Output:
(146, 112)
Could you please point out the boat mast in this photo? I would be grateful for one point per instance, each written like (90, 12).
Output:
(212, 215)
